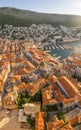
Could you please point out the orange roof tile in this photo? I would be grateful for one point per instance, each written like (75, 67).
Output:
(47, 96)
(55, 125)
(53, 60)
(30, 67)
(67, 127)
(40, 121)
(52, 79)
(10, 56)
(68, 86)
(22, 72)
(15, 77)
(77, 62)
(35, 87)
(68, 101)
(22, 85)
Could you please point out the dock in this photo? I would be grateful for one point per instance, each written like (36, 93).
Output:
(61, 47)
(54, 55)
(57, 58)
(46, 47)
(56, 46)
(49, 47)
(53, 47)
(48, 51)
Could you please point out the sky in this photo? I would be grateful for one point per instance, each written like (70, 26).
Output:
(46, 6)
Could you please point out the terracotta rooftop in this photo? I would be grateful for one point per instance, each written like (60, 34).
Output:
(68, 67)
(22, 72)
(77, 62)
(40, 55)
(68, 86)
(53, 94)
(4, 57)
(30, 67)
(10, 56)
(67, 127)
(37, 58)
(40, 121)
(21, 86)
(53, 60)
(52, 79)
(15, 78)
(68, 101)
(74, 116)
(55, 125)
(47, 96)
(1, 64)
(33, 88)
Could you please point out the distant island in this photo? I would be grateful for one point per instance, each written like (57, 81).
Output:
(18, 17)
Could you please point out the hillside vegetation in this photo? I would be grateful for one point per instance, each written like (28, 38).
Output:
(19, 17)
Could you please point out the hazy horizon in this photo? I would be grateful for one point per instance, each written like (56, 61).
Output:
(40, 12)
(72, 7)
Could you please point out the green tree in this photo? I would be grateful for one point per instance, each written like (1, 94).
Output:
(22, 99)
(31, 121)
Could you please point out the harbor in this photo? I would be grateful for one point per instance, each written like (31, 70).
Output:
(56, 46)
(60, 51)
